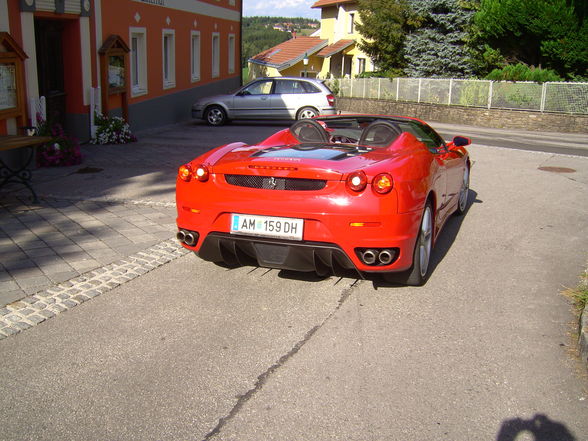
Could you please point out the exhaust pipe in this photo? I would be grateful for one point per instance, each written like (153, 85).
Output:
(369, 257)
(187, 237)
(190, 239)
(385, 257)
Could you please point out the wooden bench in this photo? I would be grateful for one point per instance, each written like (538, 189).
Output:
(20, 175)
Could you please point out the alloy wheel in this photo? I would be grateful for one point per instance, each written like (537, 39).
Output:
(465, 187)
(425, 241)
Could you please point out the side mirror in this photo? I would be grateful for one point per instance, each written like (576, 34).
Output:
(461, 141)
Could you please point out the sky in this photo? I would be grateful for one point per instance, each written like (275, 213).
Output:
(281, 8)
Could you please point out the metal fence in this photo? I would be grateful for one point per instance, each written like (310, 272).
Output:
(546, 97)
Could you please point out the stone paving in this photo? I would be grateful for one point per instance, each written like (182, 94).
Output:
(95, 225)
(34, 309)
(56, 240)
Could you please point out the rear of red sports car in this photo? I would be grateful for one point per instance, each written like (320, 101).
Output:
(304, 202)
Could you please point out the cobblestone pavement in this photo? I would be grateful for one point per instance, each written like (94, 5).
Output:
(56, 240)
(96, 225)
(59, 252)
(34, 309)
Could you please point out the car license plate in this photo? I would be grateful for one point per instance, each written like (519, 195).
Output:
(266, 226)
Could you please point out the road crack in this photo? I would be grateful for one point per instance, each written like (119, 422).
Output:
(264, 377)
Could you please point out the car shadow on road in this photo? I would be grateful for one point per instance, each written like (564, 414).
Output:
(444, 241)
(442, 247)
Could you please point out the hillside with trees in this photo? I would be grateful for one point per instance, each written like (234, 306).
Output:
(261, 33)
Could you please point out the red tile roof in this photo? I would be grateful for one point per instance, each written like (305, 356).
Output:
(334, 48)
(289, 52)
(325, 3)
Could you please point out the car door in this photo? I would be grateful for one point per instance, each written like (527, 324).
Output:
(452, 166)
(439, 172)
(254, 100)
(287, 98)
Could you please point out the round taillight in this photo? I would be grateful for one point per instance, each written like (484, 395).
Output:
(383, 183)
(202, 173)
(357, 181)
(185, 172)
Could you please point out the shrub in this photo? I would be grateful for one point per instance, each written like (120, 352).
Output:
(522, 72)
(62, 150)
(375, 74)
(112, 130)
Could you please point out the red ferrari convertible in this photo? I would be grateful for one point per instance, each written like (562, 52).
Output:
(359, 193)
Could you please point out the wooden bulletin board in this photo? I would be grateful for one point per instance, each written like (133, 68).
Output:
(12, 81)
(114, 72)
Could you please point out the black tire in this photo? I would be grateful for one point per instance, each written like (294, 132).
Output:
(418, 274)
(462, 203)
(306, 113)
(215, 116)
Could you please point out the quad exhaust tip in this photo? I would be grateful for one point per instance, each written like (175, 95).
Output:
(385, 257)
(377, 256)
(187, 237)
(369, 257)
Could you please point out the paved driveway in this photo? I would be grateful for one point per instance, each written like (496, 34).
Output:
(166, 346)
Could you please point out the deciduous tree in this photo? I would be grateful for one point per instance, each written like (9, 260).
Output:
(541, 33)
(383, 25)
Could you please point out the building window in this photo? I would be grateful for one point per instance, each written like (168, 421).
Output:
(308, 74)
(169, 59)
(195, 45)
(360, 65)
(352, 23)
(138, 54)
(215, 55)
(231, 53)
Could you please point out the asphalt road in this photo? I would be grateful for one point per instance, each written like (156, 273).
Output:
(192, 350)
(562, 143)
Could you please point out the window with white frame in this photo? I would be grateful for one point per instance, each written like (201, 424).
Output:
(360, 65)
(351, 23)
(138, 39)
(195, 47)
(231, 53)
(215, 55)
(169, 58)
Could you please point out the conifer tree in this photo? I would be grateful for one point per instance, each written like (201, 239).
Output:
(436, 46)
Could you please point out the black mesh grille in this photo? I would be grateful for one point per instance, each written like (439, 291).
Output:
(271, 183)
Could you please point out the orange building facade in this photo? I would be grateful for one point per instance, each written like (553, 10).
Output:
(148, 60)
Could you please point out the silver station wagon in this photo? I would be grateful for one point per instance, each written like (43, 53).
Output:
(268, 98)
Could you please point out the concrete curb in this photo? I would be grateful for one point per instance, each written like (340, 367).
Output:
(583, 337)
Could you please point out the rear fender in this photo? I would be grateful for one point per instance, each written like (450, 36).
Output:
(214, 155)
(283, 137)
